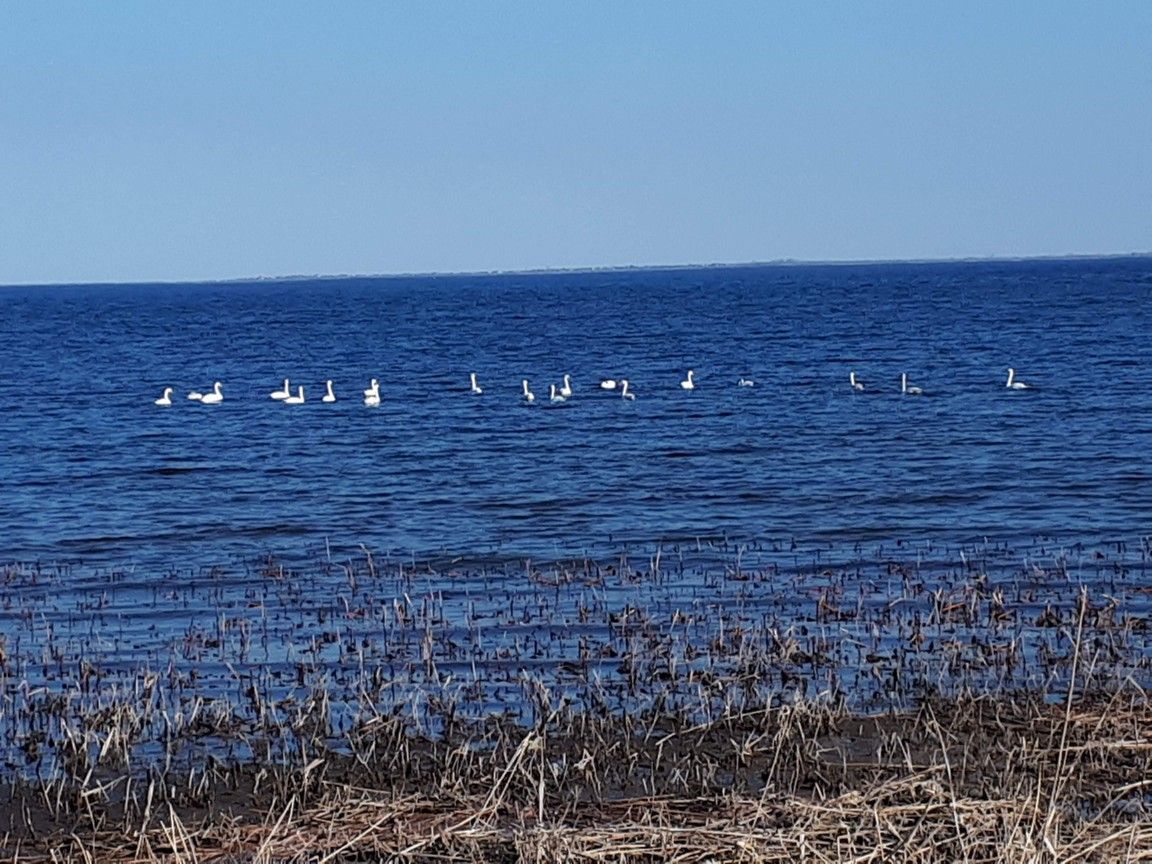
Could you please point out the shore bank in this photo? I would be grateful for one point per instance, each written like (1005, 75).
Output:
(1010, 779)
(691, 705)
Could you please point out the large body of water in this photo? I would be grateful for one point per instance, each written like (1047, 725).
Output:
(688, 549)
(92, 471)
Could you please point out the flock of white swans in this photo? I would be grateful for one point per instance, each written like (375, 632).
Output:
(555, 394)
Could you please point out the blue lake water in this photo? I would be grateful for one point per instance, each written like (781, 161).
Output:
(92, 471)
(794, 536)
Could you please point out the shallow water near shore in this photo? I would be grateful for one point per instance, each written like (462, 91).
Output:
(201, 569)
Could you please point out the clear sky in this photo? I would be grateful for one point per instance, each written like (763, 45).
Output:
(197, 140)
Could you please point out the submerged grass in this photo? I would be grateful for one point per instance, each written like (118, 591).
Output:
(974, 780)
(980, 706)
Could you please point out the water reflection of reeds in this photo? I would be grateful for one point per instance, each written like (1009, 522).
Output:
(696, 672)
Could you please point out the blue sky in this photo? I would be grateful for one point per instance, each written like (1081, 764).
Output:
(142, 140)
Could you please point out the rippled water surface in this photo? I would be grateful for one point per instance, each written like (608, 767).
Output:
(243, 561)
(92, 471)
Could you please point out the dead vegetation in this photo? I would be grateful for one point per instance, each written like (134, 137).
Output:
(1013, 780)
(869, 710)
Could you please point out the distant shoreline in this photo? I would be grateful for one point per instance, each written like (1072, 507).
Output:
(611, 268)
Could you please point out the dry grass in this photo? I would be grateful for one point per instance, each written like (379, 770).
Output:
(594, 713)
(913, 820)
(981, 780)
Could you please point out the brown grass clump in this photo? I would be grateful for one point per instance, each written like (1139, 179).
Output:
(875, 708)
(976, 780)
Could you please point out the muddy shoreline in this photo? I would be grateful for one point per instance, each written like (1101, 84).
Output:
(1005, 777)
(979, 704)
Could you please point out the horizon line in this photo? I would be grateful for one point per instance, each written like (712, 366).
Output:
(606, 268)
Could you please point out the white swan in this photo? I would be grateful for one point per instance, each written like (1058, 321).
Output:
(282, 394)
(554, 394)
(196, 396)
(475, 387)
(909, 390)
(688, 383)
(566, 390)
(215, 397)
(166, 399)
(372, 394)
(329, 396)
(624, 394)
(529, 396)
(608, 384)
(856, 385)
(298, 399)
(1013, 384)
(746, 382)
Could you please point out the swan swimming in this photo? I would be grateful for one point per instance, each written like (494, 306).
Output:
(909, 389)
(529, 396)
(856, 385)
(555, 394)
(624, 394)
(688, 383)
(566, 390)
(475, 387)
(215, 397)
(196, 396)
(329, 396)
(298, 399)
(372, 394)
(746, 382)
(282, 394)
(1013, 384)
(166, 399)
(608, 384)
